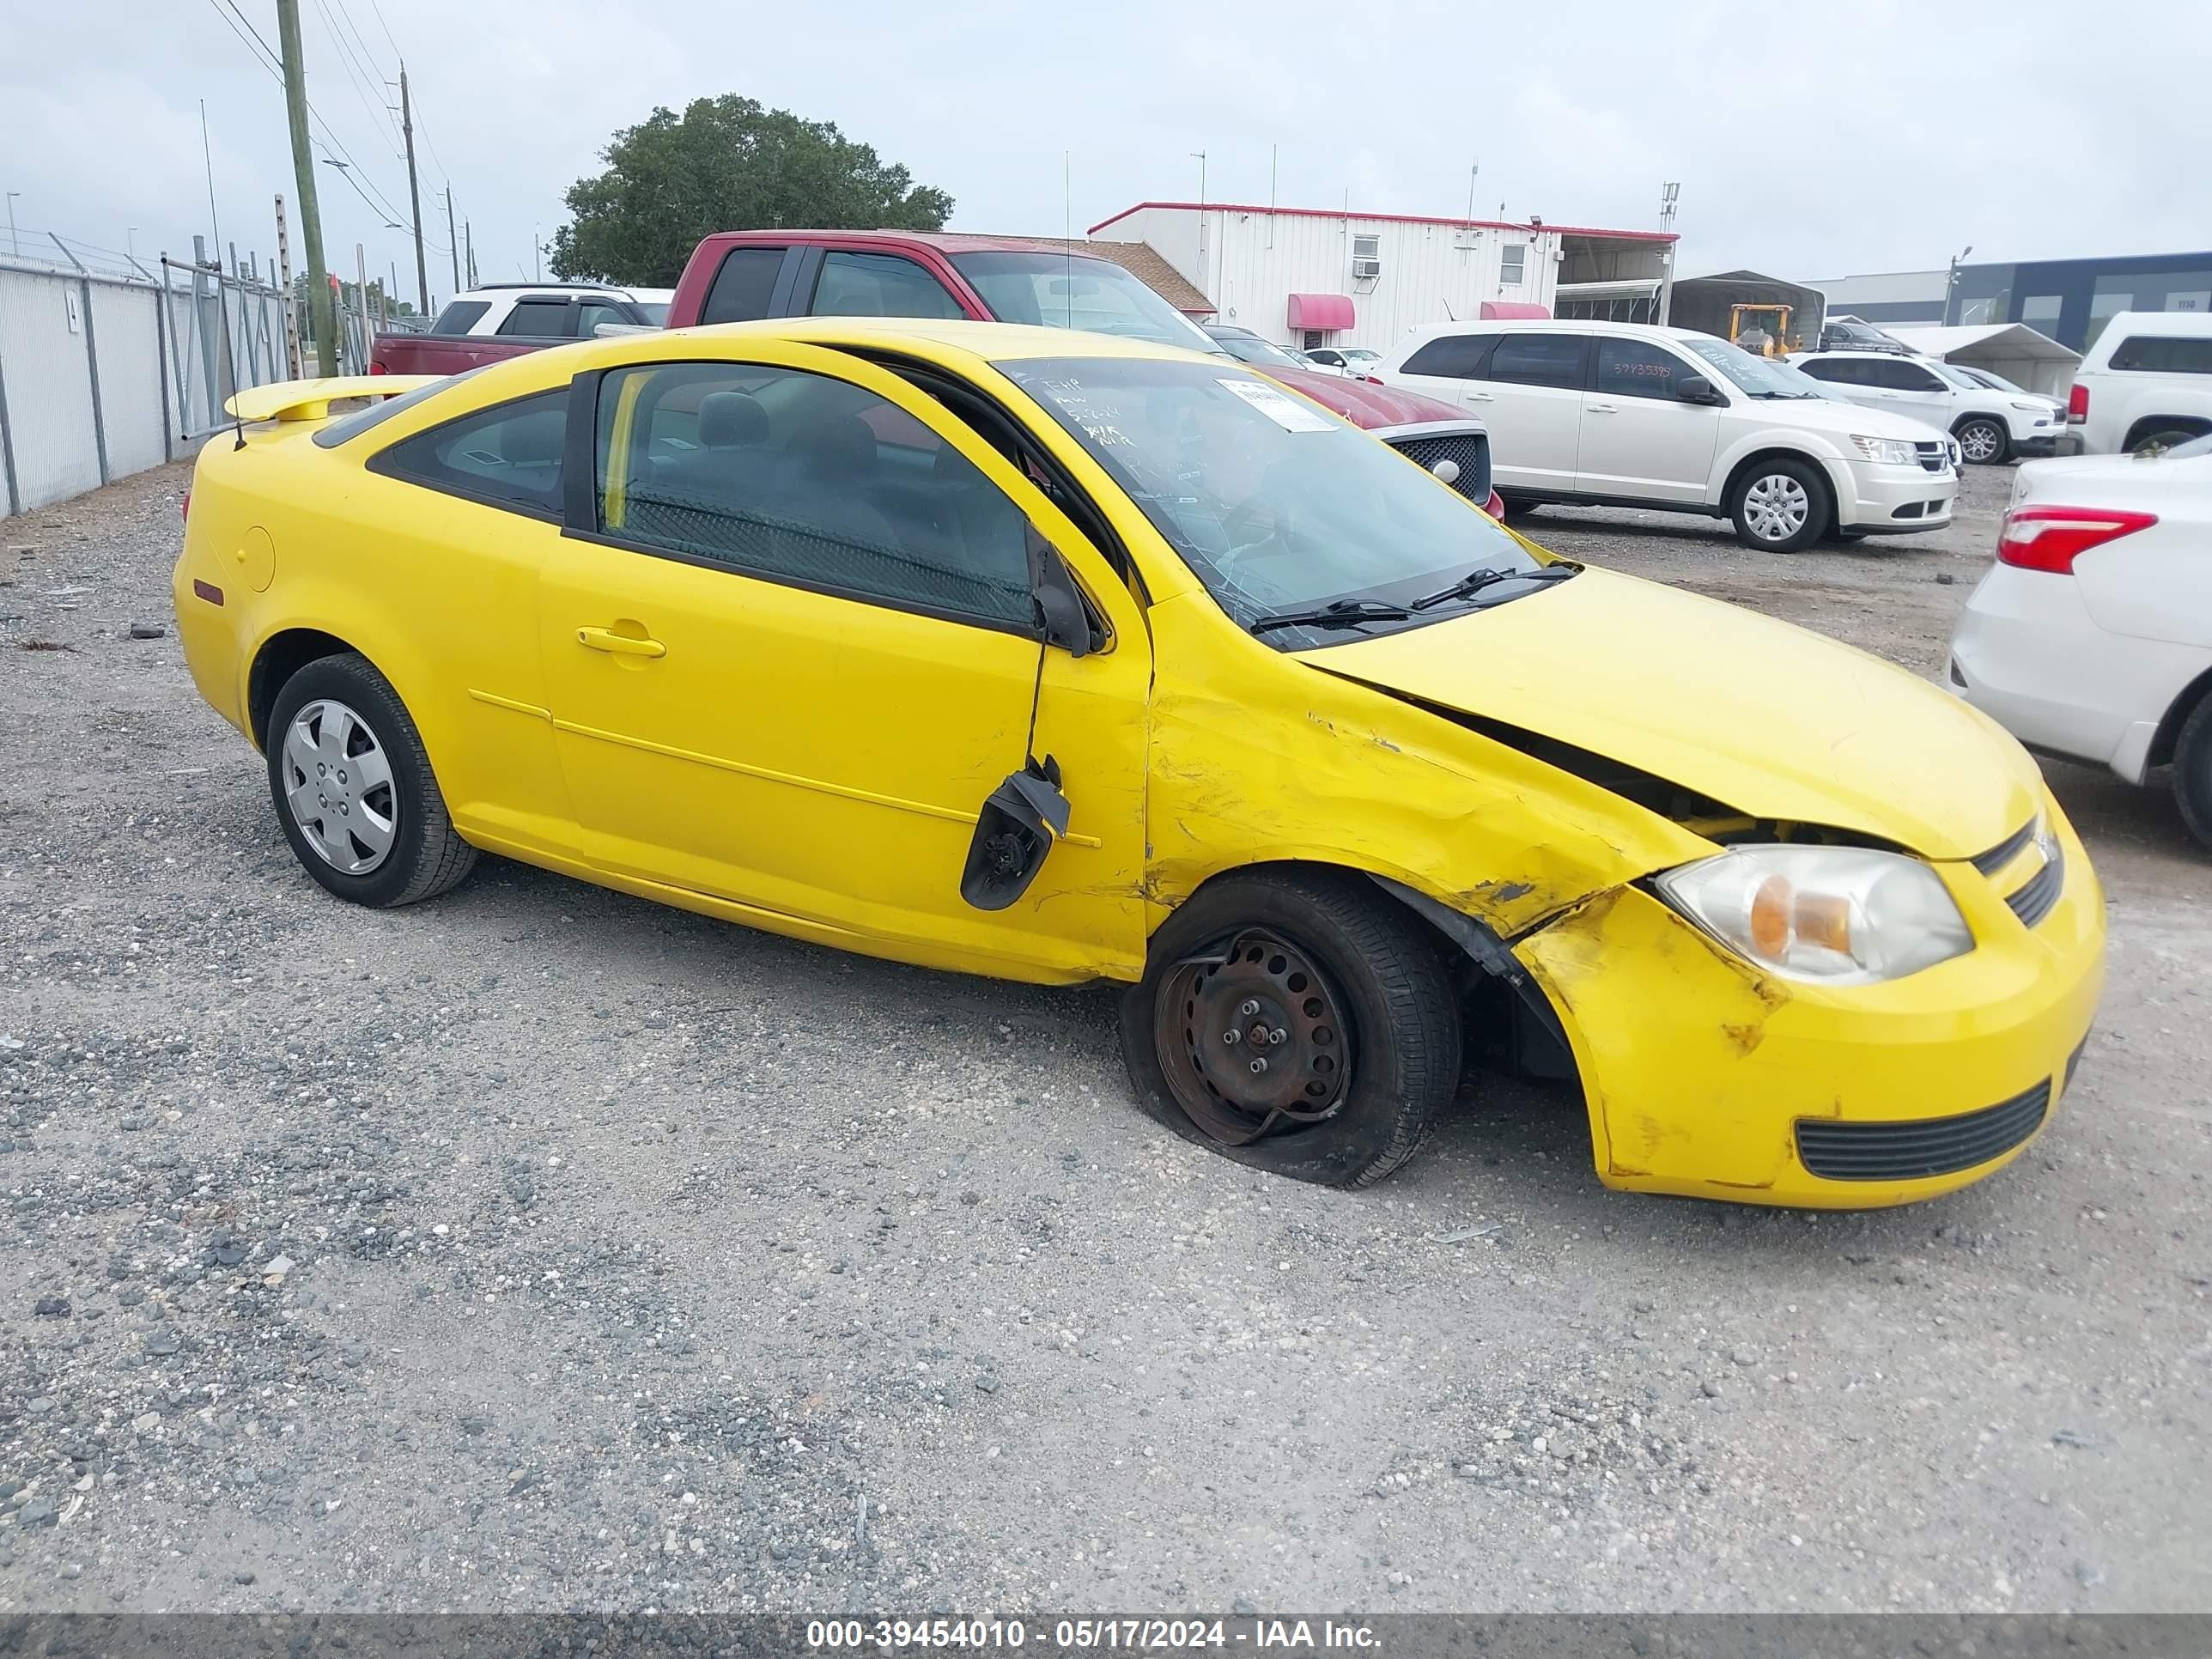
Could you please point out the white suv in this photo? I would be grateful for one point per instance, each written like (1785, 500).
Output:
(2145, 384)
(1625, 414)
(1991, 426)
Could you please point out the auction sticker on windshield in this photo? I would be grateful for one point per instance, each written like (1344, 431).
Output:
(1284, 410)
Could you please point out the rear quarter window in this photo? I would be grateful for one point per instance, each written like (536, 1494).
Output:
(460, 317)
(507, 456)
(1454, 356)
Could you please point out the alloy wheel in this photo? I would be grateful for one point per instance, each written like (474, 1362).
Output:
(1775, 507)
(1254, 1038)
(337, 785)
(1980, 442)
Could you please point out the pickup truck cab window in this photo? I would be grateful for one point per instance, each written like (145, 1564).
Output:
(878, 285)
(744, 284)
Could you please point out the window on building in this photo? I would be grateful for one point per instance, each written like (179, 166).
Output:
(2040, 313)
(2159, 353)
(508, 455)
(2196, 298)
(2104, 305)
(540, 318)
(802, 479)
(878, 285)
(1552, 360)
(1512, 265)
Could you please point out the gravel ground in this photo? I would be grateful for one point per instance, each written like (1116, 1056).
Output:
(541, 1248)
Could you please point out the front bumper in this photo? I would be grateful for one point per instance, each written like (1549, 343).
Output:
(1703, 1076)
(1892, 501)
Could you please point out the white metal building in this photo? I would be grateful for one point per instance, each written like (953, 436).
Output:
(1303, 277)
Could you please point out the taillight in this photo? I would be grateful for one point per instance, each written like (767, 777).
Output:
(376, 367)
(1495, 506)
(2077, 405)
(1371, 378)
(2052, 537)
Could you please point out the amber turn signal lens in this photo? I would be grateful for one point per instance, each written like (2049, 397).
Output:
(1770, 906)
(1825, 920)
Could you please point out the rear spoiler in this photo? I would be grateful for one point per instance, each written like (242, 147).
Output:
(311, 401)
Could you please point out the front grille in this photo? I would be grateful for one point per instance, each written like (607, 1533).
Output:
(1470, 450)
(1935, 455)
(2007, 850)
(2035, 897)
(1918, 1147)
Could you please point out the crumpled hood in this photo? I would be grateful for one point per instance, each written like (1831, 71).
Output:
(1773, 720)
(1366, 406)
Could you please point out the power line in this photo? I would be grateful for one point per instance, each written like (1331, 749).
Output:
(386, 27)
(377, 110)
(274, 64)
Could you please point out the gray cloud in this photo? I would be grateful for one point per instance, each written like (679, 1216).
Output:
(1811, 141)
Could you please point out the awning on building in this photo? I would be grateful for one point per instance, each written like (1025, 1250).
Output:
(1321, 312)
(2029, 359)
(1499, 310)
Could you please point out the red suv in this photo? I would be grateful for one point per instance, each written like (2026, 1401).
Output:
(739, 275)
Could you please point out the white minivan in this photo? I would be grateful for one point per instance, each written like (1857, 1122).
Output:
(1632, 414)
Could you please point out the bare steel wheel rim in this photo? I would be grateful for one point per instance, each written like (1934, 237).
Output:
(1980, 440)
(337, 785)
(1775, 507)
(1254, 1038)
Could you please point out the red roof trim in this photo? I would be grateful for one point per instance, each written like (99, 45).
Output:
(1388, 219)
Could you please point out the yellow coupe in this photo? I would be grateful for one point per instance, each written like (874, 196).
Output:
(1057, 657)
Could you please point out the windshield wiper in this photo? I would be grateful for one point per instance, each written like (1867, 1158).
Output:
(1343, 613)
(1476, 580)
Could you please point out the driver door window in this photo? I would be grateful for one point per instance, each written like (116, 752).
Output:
(789, 645)
(878, 285)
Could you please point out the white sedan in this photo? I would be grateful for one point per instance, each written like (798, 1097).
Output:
(2091, 637)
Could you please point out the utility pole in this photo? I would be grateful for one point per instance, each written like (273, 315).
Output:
(292, 365)
(452, 242)
(319, 317)
(414, 195)
(469, 230)
(15, 246)
(1951, 286)
(1669, 193)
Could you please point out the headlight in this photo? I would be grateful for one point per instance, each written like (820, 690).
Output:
(1890, 452)
(2033, 408)
(1832, 916)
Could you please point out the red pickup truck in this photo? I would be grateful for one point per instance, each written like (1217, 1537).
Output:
(743, 274)
(505, 320)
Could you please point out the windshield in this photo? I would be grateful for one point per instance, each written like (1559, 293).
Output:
(1995, 382)
(1362, 355)
(1251, 348)
(1759, 377)
(332, 433)
(1073, 291)
(1273, 504)
(1955, 376)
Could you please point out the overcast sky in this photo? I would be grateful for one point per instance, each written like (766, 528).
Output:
(1811, 141)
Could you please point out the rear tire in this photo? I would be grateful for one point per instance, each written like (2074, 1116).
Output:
(1781, 506)
(1303, 942)
(1984, 442)
(354, 790)
(2192, 772)
(2157, 443)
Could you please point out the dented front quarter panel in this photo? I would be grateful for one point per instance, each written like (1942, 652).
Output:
(1258, 756)
(1696, 1066)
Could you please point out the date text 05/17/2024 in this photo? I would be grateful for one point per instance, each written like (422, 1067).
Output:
(1142, 1635)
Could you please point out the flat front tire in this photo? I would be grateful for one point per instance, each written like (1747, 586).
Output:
(1781, 506)
(354, 790)
(1299, 1022)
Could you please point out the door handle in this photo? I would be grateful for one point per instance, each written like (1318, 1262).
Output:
(1478, 397)
(1602, 409)
(621, 645)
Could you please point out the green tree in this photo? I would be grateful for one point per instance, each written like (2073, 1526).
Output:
(727, 163)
